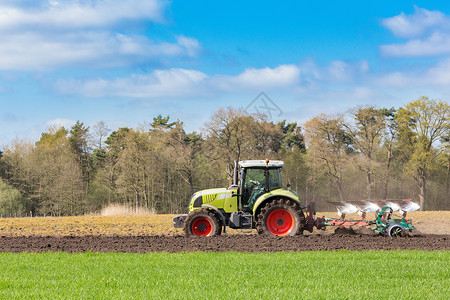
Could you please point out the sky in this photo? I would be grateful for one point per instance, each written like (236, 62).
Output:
(124, 62)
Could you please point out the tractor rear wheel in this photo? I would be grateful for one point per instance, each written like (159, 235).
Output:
(202, 222)
(280, 217)
(395, 230)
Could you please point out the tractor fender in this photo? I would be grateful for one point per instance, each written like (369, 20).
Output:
(218, 213)
(278, 193)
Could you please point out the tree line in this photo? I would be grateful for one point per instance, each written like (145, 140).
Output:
(366, 153)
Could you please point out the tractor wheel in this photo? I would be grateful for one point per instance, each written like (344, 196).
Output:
(395, 230)
(202, 222)
(280, 217)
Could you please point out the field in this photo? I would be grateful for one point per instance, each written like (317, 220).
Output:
(230, 275)
(144, 257)
(428, 222)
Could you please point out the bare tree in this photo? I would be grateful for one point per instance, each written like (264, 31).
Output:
(366, 126)
(328, 148)
(100, 132)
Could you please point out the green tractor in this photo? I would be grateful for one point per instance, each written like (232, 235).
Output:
(255, 200)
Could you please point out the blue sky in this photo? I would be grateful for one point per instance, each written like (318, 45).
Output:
(124, 62)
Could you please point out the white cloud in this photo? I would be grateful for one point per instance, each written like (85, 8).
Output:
(182, 83)
(428, 34)
(78, 14)
(31, 51)
(174, 83)
(159, 84)
(336, 72)
(60, 122)
(262, 79)
(43, 37)
(407, 26)
(437, 76)
(436, 44)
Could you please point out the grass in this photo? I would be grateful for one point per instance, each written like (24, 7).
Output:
(200, 275)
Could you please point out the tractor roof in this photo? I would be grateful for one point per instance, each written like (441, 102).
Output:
(261, 163)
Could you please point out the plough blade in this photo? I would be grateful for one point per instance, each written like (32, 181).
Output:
(345, 208)
(367, 206)
(404, 205)
(408, 205)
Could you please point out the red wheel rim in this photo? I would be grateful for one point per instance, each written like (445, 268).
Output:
(280, 222)
(202, 226)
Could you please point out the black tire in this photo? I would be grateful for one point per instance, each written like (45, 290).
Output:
(280, 217)
(395, 230)
(202, 222)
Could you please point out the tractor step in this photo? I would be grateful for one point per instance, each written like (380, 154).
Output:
(246, 221)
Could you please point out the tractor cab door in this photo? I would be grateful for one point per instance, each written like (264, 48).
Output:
(253, 183)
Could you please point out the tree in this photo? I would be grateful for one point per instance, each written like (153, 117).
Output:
(183, 152)
(229, 136)
(328, 148)
(392, 132)
(292, 136)
(11, 201)
(100, 133)
(135, 168)
(446, 143)
(161, 122)
(423, 123)
(79, 138)
(366, 128)
(60, 179)
(17, 171)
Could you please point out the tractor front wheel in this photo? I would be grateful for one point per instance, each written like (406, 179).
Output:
(202, 222)
(280, 217)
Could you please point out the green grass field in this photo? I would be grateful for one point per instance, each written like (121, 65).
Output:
(315, 275)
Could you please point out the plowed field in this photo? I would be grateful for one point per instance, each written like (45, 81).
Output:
(154, 233)
(245, 243)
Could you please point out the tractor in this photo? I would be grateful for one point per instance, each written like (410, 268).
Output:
(256, 199)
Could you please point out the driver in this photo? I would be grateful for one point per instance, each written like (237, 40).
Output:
(257, 190)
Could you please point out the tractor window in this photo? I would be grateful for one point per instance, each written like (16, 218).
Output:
(274, 179)
(254, 186)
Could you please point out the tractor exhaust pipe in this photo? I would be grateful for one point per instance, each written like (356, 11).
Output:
(235, 173)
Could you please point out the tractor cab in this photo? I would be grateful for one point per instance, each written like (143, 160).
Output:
(257, 177)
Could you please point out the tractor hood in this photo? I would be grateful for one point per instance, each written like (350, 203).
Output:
(208, 196)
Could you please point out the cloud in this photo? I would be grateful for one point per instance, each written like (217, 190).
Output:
(418, 23)
(80, 33)
(258, 79)
(437, 76)
(182, 83)
(436, 44)
(427, 33)
(60, 122)
(72, 14)
(337, 72)
(159, 84)
(174, 83)
(31, 51)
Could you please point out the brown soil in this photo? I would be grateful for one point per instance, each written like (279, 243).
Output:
(241, 243)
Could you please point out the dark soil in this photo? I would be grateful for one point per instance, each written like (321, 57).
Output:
(241, 243)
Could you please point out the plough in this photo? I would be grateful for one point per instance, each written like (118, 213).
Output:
(385, 221)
